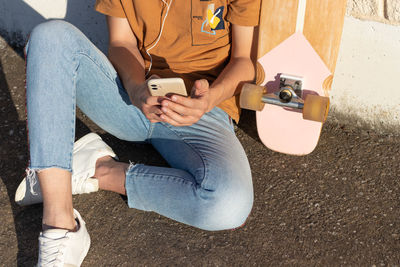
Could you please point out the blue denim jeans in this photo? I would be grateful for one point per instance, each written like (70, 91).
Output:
(209, 183)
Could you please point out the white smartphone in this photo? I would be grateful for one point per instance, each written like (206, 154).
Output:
(165, 86)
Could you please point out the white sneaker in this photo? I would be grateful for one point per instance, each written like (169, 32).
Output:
(59, 247)
(85, 154)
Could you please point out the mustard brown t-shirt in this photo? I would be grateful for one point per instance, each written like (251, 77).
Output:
(195, 42)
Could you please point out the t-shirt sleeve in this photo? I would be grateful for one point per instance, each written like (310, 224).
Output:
(244, 12)
(110, 7)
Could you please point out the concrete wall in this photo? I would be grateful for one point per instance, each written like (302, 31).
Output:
(364, 91)
(365, 88)
(385, 11)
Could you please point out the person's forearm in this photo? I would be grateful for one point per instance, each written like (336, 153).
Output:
(128, 62)
(228, 83)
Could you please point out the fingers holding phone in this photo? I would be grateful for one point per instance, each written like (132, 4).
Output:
(149, 105)
(185, 111)
(165, 88)
(151, 108)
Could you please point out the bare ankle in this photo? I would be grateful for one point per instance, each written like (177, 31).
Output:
(104, 166)
(104, 160)
(111, 174)
(59, 219)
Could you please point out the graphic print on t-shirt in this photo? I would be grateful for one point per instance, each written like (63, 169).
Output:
(209, 23)
(214, 20)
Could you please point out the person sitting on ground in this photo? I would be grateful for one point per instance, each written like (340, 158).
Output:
(208, 184)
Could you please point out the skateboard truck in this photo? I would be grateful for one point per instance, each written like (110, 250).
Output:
(290, 82)
(289, 94)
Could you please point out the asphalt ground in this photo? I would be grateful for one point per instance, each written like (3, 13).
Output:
(339, 206)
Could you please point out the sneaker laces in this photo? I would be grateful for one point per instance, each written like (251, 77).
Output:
(31, 177)
(51, 251)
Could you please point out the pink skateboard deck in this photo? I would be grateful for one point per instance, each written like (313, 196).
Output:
(296, 38)
(283, 129)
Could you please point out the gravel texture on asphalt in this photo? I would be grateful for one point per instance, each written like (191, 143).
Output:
(339, 205)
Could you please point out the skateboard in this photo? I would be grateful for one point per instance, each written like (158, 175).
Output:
(297, 48)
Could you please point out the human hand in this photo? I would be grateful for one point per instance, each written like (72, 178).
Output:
(149, 105)
(184, 111)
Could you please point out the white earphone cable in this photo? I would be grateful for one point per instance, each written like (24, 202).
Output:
(159, 35)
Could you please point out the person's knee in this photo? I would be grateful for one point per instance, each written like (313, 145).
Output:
(229, 208)
(235, 208)
(49, 33)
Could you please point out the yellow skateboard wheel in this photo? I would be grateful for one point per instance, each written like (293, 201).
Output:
(316, 108)
(250, 97)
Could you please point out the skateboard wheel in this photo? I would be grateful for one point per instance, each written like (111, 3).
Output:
(250, 97)
(316, 108)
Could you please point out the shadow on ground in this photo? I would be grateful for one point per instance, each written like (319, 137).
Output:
(13, 154)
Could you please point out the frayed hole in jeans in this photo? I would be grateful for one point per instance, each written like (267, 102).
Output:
(32, 179)
(131, 166)
(31, 176)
